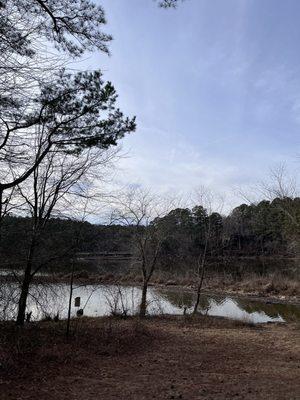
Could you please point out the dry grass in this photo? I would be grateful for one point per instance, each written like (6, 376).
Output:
(192, 357)
(21, 349)
(35, 343)
(272, 285)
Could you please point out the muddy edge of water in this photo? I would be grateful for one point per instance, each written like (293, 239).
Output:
(234, 294)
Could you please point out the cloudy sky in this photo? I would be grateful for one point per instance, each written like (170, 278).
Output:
(215, 86)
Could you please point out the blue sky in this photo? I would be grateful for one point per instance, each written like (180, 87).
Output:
(215, 87)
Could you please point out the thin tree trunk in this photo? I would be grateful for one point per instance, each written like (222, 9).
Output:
(2, 211)
(23, 299)
(25, 285)
(201, 270)
(143, 305)
(70, 301)
(199, 287)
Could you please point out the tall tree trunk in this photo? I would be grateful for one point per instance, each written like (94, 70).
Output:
(201, 270)
(199, 287)
(25, 285)
(1, 216)
(23, 298)
(143, 305)
(70, 300)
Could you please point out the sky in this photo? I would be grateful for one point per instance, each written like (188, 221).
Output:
(214, 85)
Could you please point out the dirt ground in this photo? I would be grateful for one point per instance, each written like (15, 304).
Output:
(158, 358)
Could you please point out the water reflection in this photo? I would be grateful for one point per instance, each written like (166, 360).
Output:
(98, 300)
(242, 309)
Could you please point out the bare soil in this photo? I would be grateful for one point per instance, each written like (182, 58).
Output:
(157, 358)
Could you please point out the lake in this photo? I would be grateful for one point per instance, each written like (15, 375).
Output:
(100, 300)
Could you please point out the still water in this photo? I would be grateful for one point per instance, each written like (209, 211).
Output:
(99, 300)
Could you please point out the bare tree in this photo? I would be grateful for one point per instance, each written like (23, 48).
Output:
(206, 202)
(56, 187)
(168, 3)
(141, 211)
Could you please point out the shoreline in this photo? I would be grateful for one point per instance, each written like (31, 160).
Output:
(231, 291)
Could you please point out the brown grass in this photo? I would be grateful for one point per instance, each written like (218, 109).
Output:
(270, 285)
(192, 357)
(275, 284)
(45, 342)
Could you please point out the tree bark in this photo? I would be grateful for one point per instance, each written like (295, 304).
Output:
(70, 301)
(199, 287)
(25, 285)
(201, 270)
(1, 216)
(23, 298)
(143, 305)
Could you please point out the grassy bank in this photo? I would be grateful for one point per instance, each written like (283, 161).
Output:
(160, 357)
(275, 287)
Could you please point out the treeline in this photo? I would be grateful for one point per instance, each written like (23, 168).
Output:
(264, 229)
(60, 242)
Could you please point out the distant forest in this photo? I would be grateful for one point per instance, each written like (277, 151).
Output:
(265, 229)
